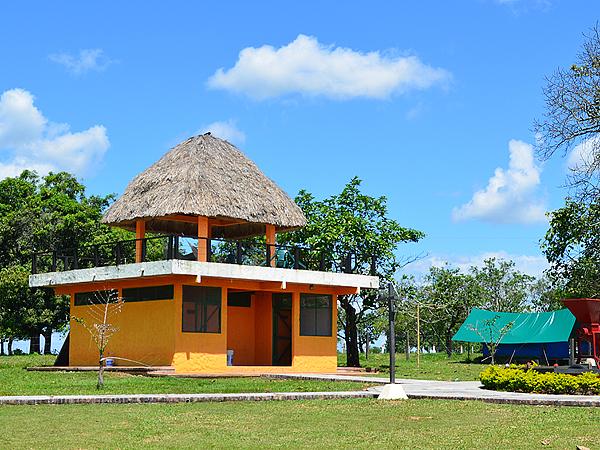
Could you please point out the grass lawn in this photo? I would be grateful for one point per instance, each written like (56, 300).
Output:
(292, 424)
(433, 366)
(15, 380)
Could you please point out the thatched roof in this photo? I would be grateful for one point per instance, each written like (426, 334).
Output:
(205, 176)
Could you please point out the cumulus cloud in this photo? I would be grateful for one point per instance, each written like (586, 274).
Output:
(226, 130)
(530, 264)
(583, 157)
(29, 141)
(511, 194)
(307, 67)
(87, 60)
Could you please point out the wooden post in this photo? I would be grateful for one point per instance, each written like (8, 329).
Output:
(203, 232)
(271, 240)
(140, 233)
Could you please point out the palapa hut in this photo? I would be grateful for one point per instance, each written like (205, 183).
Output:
(199, 296)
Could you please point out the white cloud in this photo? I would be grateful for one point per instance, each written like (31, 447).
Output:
(511, 194)
(530, 264)
(86, 61)
(308, 67)
(226, 130)
(29, 141)
(583, 157)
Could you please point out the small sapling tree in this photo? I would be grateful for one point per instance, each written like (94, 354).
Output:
(98, 322)
(490, 334)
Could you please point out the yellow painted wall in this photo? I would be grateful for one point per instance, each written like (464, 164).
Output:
(263, 329)
(241, 333)
(150, 332)
(200, 352)
(146, 330)
(313, 353)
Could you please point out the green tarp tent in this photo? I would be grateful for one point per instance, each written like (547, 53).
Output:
(527, 328)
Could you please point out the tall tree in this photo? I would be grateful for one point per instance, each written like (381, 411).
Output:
(503, 287)
(358, 224)
(448, 296)
(43, 214)
(546, 294)
(572, 116)
(572, 247)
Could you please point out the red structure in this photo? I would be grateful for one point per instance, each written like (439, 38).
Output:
(587, 313)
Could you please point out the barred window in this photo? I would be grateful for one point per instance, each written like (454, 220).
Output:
(96, 297)
(201, 309)
(315, 315)
(143, 294)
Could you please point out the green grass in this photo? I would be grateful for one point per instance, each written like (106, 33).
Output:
(15, 380)
(433, 366)
(300, 424)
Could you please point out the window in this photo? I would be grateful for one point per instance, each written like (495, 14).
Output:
(95, 297)
(201, 309)
(239, 299)
(143, 294)
(315, 315)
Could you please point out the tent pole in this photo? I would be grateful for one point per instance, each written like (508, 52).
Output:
(545, 356)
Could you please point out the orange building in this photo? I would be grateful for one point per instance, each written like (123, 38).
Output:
(206, 286)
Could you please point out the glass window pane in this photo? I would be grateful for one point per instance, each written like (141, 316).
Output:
(323, 325)
(213, 313)
(315, 315)
(189, 316)
(307, 322)
(205, 304)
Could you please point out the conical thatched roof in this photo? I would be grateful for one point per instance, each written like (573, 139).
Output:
(205, 176)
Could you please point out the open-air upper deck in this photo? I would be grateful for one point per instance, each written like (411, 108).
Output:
(202, 257)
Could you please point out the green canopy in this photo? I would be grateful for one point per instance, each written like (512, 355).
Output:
(526, 328)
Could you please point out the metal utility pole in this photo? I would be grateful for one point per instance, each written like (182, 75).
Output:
(392, 391)
(418, 338)
(392, 316)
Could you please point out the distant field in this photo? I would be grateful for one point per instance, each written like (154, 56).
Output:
(434, 366)
(15, 380)
(412, 424)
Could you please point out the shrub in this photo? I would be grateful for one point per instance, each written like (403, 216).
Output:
(520, 379)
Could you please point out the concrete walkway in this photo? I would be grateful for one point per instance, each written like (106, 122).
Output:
(178, 398)
(462, 390)
(415, 389)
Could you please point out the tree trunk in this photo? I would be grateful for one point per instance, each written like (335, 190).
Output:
(2, 346)
(34, 343)
(9, 346)
(100, 383)
(47, 342)
(351, 335)
(449, 343)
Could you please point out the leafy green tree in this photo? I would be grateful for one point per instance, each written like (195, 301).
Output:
(358, 224)
(503, 287)
(572, 115)
(42, 214)
(14, 303)
(546, 294)
(448, 296)
(572, 248)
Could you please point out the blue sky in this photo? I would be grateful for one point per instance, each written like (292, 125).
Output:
(430, 103)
